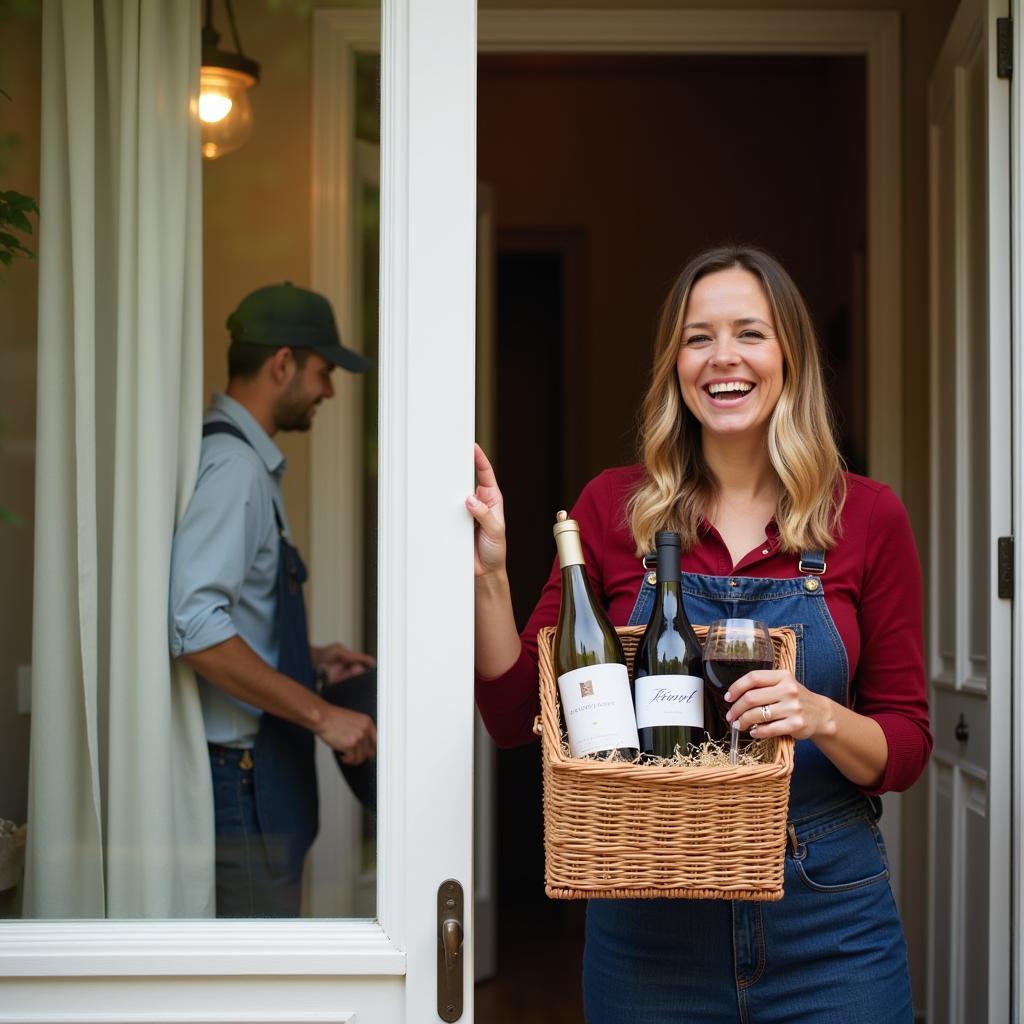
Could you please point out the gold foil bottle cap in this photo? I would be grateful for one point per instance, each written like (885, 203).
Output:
(564, 524)
(567, 539)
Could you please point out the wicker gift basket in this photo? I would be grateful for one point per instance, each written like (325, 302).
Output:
(634, 831)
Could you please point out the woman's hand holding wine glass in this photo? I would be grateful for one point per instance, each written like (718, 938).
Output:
(762, 701)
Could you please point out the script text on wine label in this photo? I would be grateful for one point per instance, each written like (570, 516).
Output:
(669, 700)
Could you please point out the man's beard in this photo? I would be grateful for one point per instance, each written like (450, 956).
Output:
(294, 413)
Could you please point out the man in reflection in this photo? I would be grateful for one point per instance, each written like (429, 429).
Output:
(237, 615)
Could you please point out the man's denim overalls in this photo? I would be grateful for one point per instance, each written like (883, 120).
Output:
(266, 799)
(832, 950)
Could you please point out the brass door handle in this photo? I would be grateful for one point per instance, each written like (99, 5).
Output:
(450, 935)
(451, 939)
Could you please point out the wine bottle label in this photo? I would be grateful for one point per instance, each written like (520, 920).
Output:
(598, 709)
(669, 700)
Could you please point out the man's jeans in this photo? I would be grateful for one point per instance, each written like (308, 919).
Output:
(245, 885)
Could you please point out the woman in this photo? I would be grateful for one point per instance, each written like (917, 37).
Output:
(738, 457)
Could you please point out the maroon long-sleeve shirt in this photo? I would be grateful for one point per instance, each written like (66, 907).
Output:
(872, 589)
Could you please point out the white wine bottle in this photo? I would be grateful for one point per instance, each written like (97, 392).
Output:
(593, 682)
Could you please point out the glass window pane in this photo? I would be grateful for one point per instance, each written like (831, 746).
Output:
(281, 345)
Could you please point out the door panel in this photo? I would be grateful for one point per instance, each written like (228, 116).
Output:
(969, 653)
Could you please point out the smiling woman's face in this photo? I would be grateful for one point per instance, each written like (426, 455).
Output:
(730, 364)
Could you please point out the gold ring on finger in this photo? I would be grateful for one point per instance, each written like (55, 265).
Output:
(766, 712)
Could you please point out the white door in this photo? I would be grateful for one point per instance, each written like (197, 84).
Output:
(969, 624)
(385, 969)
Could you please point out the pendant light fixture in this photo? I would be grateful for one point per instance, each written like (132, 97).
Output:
(225, 112)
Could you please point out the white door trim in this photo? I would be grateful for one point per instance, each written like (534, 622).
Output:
(1017, 404)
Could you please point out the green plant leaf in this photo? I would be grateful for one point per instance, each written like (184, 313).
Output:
(18, 220)
(19, 201)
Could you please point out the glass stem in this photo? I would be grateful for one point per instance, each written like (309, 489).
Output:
(734, 743)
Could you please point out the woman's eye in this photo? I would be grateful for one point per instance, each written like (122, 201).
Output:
(752, 336)
(697, 339)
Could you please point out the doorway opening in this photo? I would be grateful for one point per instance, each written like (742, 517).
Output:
(608, 173)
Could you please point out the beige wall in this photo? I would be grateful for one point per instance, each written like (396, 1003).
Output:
(19, 170)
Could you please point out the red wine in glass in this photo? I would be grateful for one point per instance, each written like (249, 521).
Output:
(721, 673)
(733, 648)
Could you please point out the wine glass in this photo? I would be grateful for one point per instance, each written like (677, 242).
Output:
(733, 648)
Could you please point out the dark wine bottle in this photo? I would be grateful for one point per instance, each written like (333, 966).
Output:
(667, 668)
(593, 681)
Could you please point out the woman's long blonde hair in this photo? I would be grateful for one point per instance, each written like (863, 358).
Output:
(678, 488)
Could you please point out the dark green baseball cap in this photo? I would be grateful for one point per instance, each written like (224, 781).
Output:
(286, 315)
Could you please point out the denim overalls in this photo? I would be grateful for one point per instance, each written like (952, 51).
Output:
(832, 950)
(266, 800)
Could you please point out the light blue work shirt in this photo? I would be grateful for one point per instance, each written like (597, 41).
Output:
(224, 561)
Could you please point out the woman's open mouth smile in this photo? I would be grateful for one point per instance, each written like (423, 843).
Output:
(727, 394)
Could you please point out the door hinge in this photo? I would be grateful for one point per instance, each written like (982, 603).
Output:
(1004, 573)
(1004, 47)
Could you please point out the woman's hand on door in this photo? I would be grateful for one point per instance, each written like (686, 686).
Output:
(487, 507)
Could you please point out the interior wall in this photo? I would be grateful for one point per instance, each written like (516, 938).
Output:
(20, 53)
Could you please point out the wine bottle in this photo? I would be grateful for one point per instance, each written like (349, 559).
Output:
(593, 681)
(667, 668)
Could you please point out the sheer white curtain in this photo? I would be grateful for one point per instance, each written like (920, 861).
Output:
(120, 809)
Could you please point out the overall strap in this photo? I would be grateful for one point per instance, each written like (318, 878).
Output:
(813, 562)
(221, 427)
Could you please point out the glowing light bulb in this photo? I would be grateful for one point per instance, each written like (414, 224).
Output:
(224, 110)
(214, 107)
